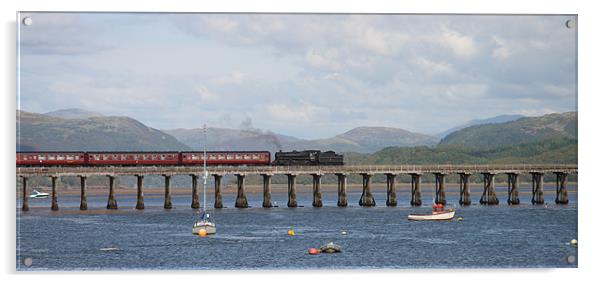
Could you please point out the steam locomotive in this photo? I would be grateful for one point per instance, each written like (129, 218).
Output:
(308, 157)
(171, 158)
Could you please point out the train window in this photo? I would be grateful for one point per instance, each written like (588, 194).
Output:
(42, 157)
(154, 156)
(255, 156)
(220, 157)
(124, 157)
(237, 156)
(70, 157)
(60, 157)
(246, 156)
(162, 156)
(229, 156)
(51, 157)
(212, 157)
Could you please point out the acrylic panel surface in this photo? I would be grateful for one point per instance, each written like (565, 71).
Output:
(116, 113)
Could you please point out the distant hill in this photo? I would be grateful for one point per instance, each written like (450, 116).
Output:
(492, 120)
(371, 139)
(73, 113)
(43, 132)
(232, 139)
(361, 139)
(523, 130)
(557, 150)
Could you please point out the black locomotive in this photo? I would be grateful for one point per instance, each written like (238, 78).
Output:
(308, 157)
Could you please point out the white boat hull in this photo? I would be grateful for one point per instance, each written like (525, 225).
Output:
(448, 215)
(209, 229)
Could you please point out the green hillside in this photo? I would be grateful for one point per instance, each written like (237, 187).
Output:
(521, 131)
(42, 132)
(558, 150)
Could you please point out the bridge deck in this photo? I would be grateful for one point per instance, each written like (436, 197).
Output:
(299, 170)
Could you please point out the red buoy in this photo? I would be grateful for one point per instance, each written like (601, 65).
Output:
(313, 251)
(439, 205)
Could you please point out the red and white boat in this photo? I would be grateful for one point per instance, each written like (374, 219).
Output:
(438, 214)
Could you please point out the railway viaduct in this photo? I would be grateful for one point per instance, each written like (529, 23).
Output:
(488, 196)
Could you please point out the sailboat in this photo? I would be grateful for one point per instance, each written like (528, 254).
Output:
(206, 222)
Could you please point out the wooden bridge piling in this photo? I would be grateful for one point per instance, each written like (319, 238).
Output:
(292, 195)
(562, 196)
(537, 187)
(391, 194)
(465, 189)
(194, 203)
(139, 191)
(241, 198)
(367, 199)
(416, 193)
(25, 204)
(440, 188)
(218, 201)
(489, 197)
(317, 181)
(267, 190)
(342, 189)
(112, 202)
(83, 199)
(513, 182)
(167, 200)
(55, 203)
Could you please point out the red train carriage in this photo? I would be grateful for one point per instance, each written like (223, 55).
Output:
(51, 158)
(131, 158)
(226, 158)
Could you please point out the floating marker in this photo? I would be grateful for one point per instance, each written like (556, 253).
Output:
(314, 251)
(574, 242)
(344, 233)
(291, 232)
(459, 218)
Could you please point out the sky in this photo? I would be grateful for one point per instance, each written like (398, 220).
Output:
(304, 75)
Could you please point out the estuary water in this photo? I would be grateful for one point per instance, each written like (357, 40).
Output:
(499, 236)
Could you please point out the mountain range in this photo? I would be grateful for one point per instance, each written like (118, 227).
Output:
(76, 129)
(523, 130)
(38, 132)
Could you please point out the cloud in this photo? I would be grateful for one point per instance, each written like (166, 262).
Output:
(318, 72)
(432, 67)
(462, 45)
(302, 112)
(205, 94)
(61, 33)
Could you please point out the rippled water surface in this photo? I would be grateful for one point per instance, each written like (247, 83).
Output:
(378, 237)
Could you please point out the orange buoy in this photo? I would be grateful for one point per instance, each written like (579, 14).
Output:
(314, 251)
(202, 233)
(291, 232)
(439, 205)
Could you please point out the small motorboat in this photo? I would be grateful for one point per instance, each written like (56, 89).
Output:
(38, 194)
(438, 214)
(444, 215)
(330, 248)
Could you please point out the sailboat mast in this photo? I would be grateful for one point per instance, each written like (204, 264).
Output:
(204, 167)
